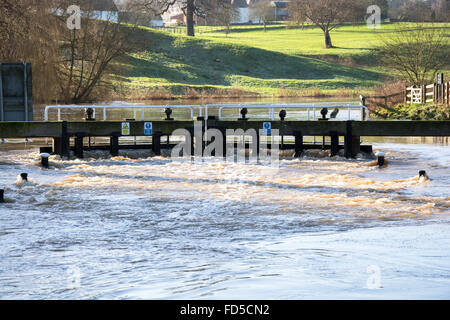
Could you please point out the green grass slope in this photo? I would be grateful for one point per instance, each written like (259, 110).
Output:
(255, 61)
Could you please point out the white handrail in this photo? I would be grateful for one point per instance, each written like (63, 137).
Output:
(308, 107)
(271, 108)
(105, 107)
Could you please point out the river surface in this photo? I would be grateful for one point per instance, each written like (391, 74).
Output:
(142, 227)
(139, 227)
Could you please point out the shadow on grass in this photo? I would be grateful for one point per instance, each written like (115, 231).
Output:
(194, 61)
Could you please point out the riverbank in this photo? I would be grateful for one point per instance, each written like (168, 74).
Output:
(413, 112)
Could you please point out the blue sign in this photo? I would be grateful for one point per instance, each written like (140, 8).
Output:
(267, 126)
(148, 128)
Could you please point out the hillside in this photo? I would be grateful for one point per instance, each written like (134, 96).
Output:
(280, 61)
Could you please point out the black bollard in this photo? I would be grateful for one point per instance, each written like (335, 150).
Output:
(168, 113)
(2, 194)
(380, 159)
(89, 114)
(24, 176)
(324, 113)
(44, 159)
(244, 113)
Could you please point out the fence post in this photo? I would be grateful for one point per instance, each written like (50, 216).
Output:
(448, 93)
(435, 93)
(424, 94)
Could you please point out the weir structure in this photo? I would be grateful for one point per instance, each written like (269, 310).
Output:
(75, 136)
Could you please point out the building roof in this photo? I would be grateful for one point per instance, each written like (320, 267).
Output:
(239, 3)
(96, 5)
(280, 4)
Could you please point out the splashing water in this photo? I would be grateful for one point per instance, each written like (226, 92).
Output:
(135, 226)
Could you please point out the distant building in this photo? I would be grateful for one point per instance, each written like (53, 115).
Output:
(98, 9)
(281, 10)
(174, 16)
(244, 8)
(243, 11)
(101, 9)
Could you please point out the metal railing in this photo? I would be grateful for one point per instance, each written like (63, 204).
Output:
(313, 109)
(104, 108)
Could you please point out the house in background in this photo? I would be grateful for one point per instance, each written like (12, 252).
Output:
(101, 9)
(127, 15)
(97, 9)
(281, 10)
(244, 10)
(174, 16)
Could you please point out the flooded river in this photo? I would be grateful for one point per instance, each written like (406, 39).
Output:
(142, 227)
(135, 227)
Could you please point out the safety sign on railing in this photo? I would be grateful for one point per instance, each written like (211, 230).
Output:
(148, 128)
(267, 128)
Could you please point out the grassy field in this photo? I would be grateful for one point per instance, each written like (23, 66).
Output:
(280, 62)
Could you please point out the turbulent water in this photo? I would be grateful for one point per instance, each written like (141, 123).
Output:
(136, 226)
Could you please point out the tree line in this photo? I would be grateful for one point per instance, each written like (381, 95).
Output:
(70, 65)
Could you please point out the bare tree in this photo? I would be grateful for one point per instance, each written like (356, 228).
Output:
(417, 51)
(190, 8)
(326, 14)
(264, 11)
(416, 10)
(441, 8)
(86, 54)
(221, 12)
(67, 64)
(27, 34)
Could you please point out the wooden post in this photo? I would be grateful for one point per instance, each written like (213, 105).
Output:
(258, 145)
(435, 93)
(406, 95)
(156, 143)
(298, 144)
(352, 143)
(442, 93)
(424, 94)
(334, 143)
(225, 145)
(192, 133)
(448, 93)
(56, 147)
(79, 146)
(356, 145)
(114, 146)
(61, 145)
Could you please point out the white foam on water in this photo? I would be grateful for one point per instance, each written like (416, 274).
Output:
(147, 227)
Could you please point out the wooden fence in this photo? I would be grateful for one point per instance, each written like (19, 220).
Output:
(436, 93)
